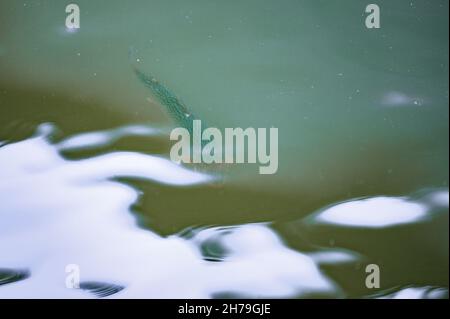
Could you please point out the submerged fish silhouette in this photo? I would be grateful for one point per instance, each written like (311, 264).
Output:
(174, 106)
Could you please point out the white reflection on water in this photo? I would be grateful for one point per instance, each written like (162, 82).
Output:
(380, 212)
(399, 99)
(427, 292)
(439, 198)
(256, 262)
(107, 137)
(55, 212)
(333, 257)
(36, 156)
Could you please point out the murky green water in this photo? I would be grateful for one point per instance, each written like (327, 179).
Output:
(85, 176)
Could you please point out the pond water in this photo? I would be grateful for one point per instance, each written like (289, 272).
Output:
(86, 178)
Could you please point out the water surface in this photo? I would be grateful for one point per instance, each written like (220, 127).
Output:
(85, 176)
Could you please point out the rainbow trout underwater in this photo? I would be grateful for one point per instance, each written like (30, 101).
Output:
(208, 146)
(174, 106)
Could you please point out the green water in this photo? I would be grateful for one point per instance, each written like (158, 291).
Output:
(360, 112)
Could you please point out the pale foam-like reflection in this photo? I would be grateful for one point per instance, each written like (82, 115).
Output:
(382, 211)
(107, 137)
(37, 156)
(426, 292)
(255, 262)
(334, 257)
(439, 198)
(56, 212)
(400, 99)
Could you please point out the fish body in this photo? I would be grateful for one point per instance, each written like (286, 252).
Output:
(173, 105)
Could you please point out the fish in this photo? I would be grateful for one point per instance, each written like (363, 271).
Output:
(176, 109)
